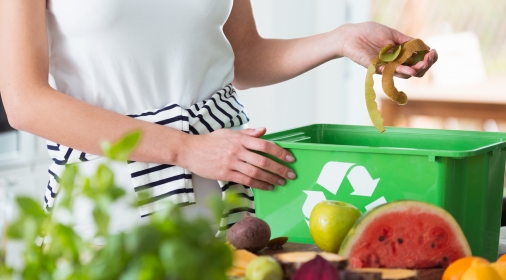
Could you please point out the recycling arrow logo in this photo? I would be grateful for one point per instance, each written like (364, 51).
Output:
(331, 178)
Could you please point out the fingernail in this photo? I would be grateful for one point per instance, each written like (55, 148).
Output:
(290, 158)
(281, 182)
(269, 187)
(291, 175)
(259, 128)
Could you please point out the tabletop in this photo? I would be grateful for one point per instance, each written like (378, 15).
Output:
(423, 274)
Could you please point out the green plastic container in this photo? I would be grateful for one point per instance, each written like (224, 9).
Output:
(461, 171)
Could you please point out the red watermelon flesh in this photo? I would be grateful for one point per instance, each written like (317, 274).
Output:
(405, 234)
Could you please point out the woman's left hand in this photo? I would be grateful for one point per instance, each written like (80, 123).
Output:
(363, 41)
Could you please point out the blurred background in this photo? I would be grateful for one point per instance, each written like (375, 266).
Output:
(331, 93)
(466, 89)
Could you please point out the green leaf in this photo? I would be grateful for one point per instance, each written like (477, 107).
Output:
(69, 242)
(67, 180)
(104, 178)
(143, 240)
(87, 189)
(6, 273)
(175, 258)
(30, 207)
(110, 261)
(152, 267)
(131, 273)
(217, 206)
(16, 230)
(116, 193)
(68, 184)
(101, 218)
(123, 148)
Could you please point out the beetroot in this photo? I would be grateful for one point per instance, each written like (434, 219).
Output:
(250, 233)
(316, 269)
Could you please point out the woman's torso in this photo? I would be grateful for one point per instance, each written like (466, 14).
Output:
(130, 55)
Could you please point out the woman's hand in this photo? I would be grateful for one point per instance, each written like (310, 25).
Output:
(363, 41)
(229, 155)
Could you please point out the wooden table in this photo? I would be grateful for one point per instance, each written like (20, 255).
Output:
(423, 274)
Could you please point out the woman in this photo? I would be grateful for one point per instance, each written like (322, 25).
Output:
(114, 58)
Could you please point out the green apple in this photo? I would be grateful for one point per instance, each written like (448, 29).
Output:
(264, 268)
(329, 223)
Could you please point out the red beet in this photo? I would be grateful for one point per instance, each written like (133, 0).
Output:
(316, 269)
(250, 233)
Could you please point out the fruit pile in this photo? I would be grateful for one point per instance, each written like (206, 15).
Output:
(398, 240)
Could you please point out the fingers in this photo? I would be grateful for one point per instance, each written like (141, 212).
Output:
(242, 164)
(259, 174)
(399, 37)
(267, 147)
(243, 179)
(419, 69)
(258, 171)
(423, 66)
(254, 132)
(404, 72)
(256, 160)
(433, 58)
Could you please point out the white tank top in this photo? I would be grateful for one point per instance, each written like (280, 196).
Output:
(130, 56)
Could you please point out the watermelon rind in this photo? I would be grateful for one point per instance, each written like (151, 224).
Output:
(398, 206)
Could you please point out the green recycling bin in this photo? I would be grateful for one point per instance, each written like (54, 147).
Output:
(460, 171)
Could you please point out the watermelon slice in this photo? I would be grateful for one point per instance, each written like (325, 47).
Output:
(405, 234)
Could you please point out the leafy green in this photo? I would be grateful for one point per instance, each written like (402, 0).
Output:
(168, 246)
(123, 148)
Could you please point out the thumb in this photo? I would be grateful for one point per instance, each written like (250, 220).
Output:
(399, 37)
(254, 132)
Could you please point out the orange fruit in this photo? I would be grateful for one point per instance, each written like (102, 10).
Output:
(500, 268)
(480, 271)
(458, 267)
(502, 259)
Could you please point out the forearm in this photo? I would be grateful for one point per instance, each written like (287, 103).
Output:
(270, 61)
(33, 106)
(73, 123)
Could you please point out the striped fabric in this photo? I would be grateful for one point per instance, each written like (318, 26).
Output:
(157, 184)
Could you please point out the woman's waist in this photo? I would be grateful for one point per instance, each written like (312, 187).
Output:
(124, 95)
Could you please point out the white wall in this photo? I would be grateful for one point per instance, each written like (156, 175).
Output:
(332, 93)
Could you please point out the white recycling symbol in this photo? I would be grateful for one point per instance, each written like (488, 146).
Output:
(331, 177)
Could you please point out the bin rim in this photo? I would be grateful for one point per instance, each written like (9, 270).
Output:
(499, 139)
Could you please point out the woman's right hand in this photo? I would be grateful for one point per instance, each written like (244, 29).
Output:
(230, 155)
